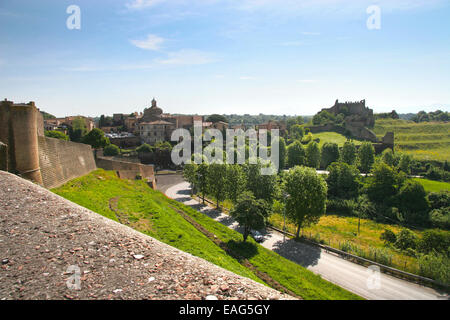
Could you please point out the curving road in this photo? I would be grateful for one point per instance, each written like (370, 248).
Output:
(348, 275)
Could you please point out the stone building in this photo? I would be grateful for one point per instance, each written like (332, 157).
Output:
(154, 126)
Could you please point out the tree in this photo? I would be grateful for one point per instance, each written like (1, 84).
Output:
(190, 174)
(56, 134)
(96, 138)
(330, 154)
(388, 157)
(216, 180)
(111, 150)
(413, 202)
(202, 179)
(366, 157)
(144, 148)
(383, 185)
(262, 186)
(282, 153)
(235, 180)
(349, 152)
(313, 155)
(250, 213)
(434, 240)
(405, 163)
(296, 154)
(216, 118)
(297, 132)
(342, 180)
(78, 129)
(307, 196)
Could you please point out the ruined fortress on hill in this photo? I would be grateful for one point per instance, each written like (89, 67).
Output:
(358, 122)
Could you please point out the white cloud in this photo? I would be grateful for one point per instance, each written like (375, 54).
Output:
(187, 57)
(152, 42)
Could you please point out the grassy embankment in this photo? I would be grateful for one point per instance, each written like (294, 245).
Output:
(151, 212)
(333, 137)
(425, 141)
(434, 186)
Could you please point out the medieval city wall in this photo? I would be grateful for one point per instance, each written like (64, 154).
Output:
(61, 161)
(46, 161)
(128, 170)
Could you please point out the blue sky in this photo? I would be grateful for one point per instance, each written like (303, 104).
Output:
(225, 56)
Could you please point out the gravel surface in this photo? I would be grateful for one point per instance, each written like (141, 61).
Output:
(47, 242)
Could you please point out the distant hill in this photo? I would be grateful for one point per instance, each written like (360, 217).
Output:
(47, 116)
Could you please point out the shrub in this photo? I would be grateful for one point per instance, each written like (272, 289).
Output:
(57, 135)
(111, 150)
(434, 240)
(330, 154)
(439, 200)
(412, 197)
(388, 236)
(342, 207)
(145, 148)
(440, 218)
(406, 239)
(435, 266)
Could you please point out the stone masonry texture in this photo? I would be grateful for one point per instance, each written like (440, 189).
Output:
(42, 235)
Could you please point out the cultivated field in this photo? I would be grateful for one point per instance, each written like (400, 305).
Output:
(425, 141)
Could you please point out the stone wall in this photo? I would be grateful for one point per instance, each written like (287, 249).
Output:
(128, 170)
(46, 161)
(3, 157)
(61, 161)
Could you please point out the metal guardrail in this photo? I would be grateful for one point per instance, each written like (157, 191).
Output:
(363, 261)
(386, 269)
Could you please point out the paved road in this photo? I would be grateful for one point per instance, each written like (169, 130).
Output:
(348, 275)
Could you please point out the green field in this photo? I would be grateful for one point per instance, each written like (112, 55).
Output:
(434, 186)
(151, 212)
(334, 137)
(425, 141)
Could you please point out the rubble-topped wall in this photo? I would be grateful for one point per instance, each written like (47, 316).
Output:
(49, 242)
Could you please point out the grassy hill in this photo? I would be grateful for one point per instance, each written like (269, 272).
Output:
(425, 140)
(151, 212)
(333, 137)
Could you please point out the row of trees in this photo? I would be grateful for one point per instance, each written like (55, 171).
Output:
(253, 195)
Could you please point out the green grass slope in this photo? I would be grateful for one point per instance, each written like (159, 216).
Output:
(434, 186)
(425, 141)
(151, 212)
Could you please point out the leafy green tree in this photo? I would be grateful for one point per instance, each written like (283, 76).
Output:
(383, 185)
(235, 182)
(440, 218)
(348, 154)
(297, 132)
(262, 186)
(56, 134)
(96, 138)
(313, 155)
(216, 179)
(388, 157)
(405, 163)
(190, 174)
(342, 180)
(412, 197)
(202, 179)
(78, 129)
(282, 153)
(216, 118)
(250, 213)
(366, 157)
(111, 150)
(144, 148)
(296, 154)
(330, 154)
(307, 196)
